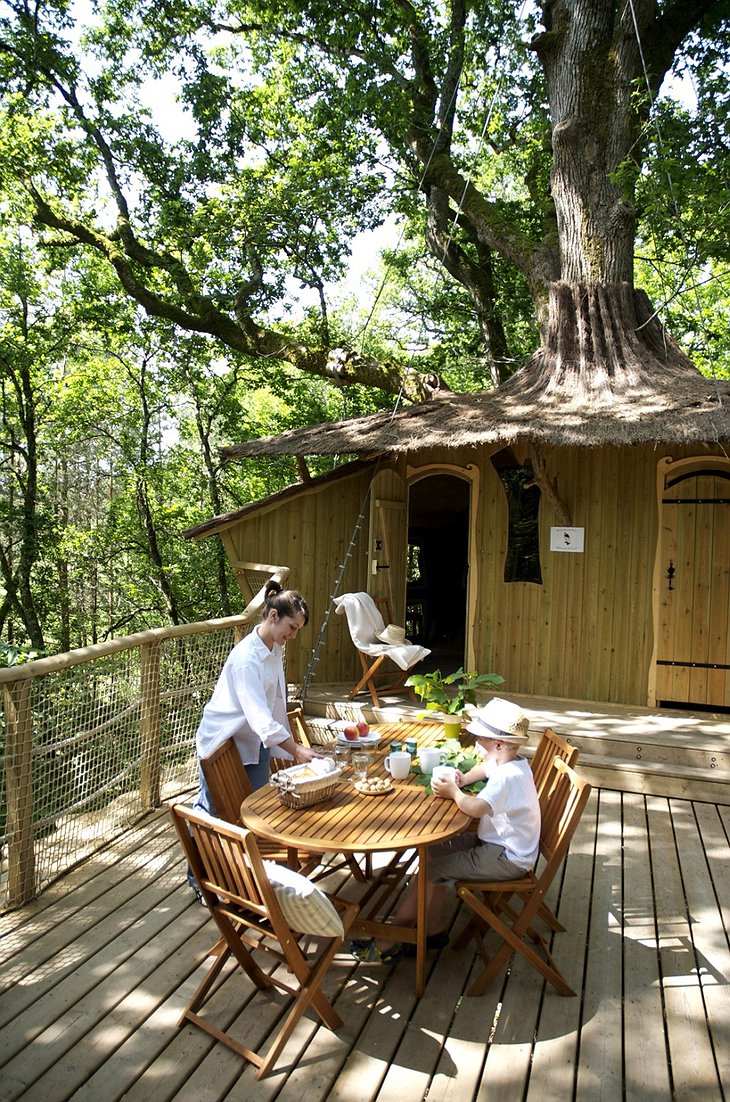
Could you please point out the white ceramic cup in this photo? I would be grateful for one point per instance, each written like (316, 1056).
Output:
(443, 773)
(430, 756)
(398, 764)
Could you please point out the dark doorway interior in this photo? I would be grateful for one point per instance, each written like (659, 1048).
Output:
(438, 540)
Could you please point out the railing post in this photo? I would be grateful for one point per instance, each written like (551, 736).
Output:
(19, 790)
(149, 676)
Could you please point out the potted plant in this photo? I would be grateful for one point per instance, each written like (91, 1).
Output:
(446, 696)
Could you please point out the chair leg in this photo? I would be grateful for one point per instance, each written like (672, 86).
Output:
(367, 678)
(309, 995)
(512, 941)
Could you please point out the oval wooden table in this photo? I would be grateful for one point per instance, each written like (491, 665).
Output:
(350, 822)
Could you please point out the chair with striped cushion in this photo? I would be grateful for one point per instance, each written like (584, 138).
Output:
(261, 910)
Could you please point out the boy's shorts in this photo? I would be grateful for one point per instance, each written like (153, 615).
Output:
(466, 857)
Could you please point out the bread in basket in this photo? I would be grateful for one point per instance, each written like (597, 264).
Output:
(304, 785)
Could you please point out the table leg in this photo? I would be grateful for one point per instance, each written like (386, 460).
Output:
(421, 920)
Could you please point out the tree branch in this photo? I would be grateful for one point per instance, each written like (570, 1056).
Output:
(243, 335)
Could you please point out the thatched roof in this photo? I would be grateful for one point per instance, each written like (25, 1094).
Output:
(691, 410)
(608, 374)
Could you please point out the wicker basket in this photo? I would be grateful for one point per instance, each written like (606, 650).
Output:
(304, 793)
(320, 731)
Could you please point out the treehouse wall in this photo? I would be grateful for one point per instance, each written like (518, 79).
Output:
(585, 633)
(310, 533)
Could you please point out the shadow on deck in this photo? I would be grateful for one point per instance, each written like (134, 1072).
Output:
(96, 972)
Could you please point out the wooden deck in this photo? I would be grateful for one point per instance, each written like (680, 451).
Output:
(655, 751)
(94, 975)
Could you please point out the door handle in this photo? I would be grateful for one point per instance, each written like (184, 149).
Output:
(670, 574)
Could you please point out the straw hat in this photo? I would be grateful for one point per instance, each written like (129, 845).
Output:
(393, 636)
(499, 719)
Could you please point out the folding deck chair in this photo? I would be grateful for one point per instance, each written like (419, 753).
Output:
(229, 786)
(550, 749)
(260, 908)
(491, 902)
(365, 621)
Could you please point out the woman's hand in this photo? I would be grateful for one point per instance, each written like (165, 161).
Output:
(304, 754)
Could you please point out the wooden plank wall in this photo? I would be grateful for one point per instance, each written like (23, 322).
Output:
(586, 633)
(311, 534)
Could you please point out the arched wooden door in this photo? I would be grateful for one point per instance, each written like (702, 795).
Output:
(692, 584)
(387, 549)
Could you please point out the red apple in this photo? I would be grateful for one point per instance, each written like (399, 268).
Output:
(351, 733)
(362, 728)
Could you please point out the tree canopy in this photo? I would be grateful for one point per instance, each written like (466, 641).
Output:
(515, 134)
(182, 186)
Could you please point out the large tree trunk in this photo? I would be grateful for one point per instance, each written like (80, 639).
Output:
(603, 345)
(592, 63)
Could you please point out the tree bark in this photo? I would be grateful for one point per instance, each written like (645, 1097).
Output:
(603, 342)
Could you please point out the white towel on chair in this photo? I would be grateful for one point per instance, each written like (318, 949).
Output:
(364, 621)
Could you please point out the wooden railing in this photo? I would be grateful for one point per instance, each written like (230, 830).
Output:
(97, 737)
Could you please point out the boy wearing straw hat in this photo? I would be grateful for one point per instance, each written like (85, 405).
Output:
(506, 842)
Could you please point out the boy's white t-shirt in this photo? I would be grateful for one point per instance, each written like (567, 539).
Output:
(510, 792)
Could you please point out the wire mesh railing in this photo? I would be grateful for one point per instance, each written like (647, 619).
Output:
(92, 740)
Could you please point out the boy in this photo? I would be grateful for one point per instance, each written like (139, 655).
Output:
(506, 842)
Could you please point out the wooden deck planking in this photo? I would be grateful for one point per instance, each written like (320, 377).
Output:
(95, 980)
(690, 1051)
(558, 1032)
(645, 1062)
(600, 1054)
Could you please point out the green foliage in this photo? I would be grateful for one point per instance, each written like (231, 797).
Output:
(11, 655)
(461, 757)
(450, 693)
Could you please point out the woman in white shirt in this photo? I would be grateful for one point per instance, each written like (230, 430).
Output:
(249, 701)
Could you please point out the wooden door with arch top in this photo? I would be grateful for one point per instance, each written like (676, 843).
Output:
(388, 544)
(692, 584)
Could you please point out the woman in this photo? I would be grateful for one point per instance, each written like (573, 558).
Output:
(249, 701)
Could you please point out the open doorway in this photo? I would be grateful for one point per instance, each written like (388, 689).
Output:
(437, 570)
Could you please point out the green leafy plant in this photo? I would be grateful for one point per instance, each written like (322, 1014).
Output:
(449, 694)
(461, 757)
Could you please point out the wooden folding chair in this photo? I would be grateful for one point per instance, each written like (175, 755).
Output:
(229, 786)
(491, 901)
(550, 748)
(366, 616)
(299, 732)
(243, 901)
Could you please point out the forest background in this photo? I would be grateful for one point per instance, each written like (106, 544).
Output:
(182, 188)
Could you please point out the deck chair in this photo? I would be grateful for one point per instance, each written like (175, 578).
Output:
(365, 621)
(550, 749)
(259, 909)
(229, 786)
(299, 732)
(491, 902)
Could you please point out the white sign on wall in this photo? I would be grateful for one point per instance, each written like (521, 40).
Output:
(566, 539)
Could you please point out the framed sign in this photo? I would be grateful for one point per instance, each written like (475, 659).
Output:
(567, 539)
